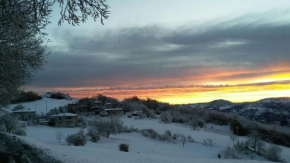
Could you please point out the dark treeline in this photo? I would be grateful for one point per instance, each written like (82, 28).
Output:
(23, 96)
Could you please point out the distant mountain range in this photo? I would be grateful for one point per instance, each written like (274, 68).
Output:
(270, 110)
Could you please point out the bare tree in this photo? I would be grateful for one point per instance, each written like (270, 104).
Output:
(106, 127)
(274, 153)
(94, 134)
(77, 139)
(233, 138)
(261, 147)
(59, 136)
(194, 123)
(208, 142)
(22, 36)
(10, 122)
(165, 117)
(254, 140)
(183, 140)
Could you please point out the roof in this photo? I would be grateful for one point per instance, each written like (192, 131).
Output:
(24, 111)
(113, 109)
(64, 115)
(137, 111)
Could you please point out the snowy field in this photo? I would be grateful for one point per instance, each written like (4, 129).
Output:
(142, 149)
(42, 106)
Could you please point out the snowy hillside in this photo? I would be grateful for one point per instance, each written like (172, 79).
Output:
(270, 110)
(43, 106)
(142, 149)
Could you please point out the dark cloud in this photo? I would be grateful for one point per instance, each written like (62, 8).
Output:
(184, 87)
(159, 55)
(251, 75)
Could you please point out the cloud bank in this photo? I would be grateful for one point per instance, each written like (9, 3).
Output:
(228, 52)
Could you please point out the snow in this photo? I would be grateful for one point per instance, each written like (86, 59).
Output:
(46, 134)
(40, 105)
(63, 115)
(225, 107)
(142, 149)
(112, 109)
(198, 135)
(284, 100)
(108, 156)
(24, 111)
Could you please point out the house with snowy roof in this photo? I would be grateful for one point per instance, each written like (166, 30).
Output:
(64, 120)
(114, 111)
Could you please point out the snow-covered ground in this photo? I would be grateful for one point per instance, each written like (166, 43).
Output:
(43, 106)
(142, 149)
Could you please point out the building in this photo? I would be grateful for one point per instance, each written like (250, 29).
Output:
(64, 120)
(25, 115)
(114, 111)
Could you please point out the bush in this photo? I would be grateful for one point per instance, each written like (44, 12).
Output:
(165, 137)
(19, 132)
(274, 153)
(238, 128)
(106, 127)
(124, 147)
(82, 122)
(145, 133)
(151, 133)
(165, 117)
(175, 136)
(134, 129)
(196, 123)
(217, 118)
(229, 153)
(10, 123)
(58, 95)
(154, 134)
(276, 136)
(168, 132)
(141, 115)
(127, 129)
(78, 139)
(94, 135)
(18, 107)
(208, 142)
(242, 146)
(190, 139)
(149, 113)
(104, 113)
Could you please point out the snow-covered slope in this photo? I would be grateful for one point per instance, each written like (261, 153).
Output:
(44, 105)
(271, 110)
(142, 149)
(90, 154)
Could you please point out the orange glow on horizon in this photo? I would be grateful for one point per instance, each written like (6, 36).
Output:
(273, 83)
(195, 94)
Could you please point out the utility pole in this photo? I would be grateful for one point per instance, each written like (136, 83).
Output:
(46, 105)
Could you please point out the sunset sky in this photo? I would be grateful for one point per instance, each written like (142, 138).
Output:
(174, 51)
